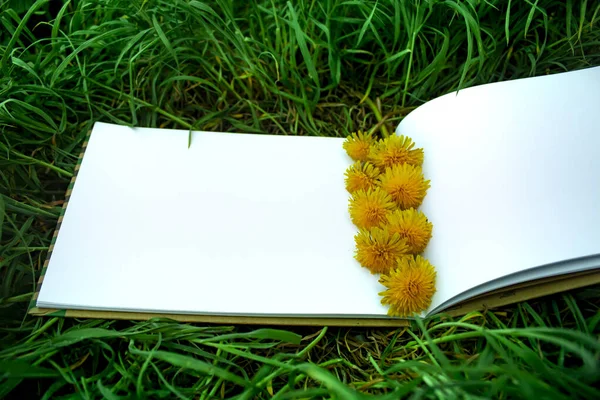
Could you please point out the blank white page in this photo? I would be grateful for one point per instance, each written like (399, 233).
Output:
(515, 176)
(236, 224)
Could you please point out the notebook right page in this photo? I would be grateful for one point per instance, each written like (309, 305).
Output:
(515, 176)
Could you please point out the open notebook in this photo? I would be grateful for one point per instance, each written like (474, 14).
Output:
(245, 228)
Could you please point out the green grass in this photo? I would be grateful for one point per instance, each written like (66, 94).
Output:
(323, 67)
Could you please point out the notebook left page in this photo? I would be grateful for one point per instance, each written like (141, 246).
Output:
(237, 224)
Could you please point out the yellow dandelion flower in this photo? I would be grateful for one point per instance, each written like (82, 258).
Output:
(410, 287)
(378, 250)
(395, 150)
(358, 145)
(370, 208)
(411, 225)
(361, 176)
(406, 184)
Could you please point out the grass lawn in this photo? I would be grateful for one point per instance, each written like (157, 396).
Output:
(304, 67)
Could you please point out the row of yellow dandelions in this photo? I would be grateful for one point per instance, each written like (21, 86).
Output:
(387, 187)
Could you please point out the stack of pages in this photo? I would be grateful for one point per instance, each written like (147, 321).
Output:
(246, 228)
